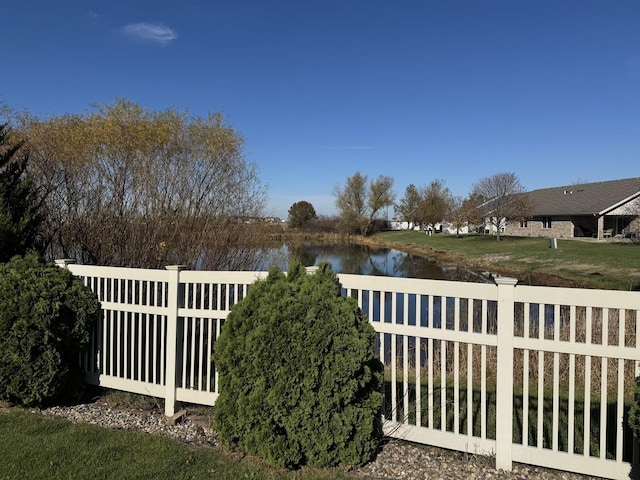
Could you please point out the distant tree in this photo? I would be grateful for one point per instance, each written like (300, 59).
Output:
(20, 216)
(471, 207)
(359, 203)
(351, 201)
(408, 210)
(436, 203)
(466, 212)
(504, 199)
(381, 195)
(457, 216)
(300, 213)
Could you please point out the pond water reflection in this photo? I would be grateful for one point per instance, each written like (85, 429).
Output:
(364, 260)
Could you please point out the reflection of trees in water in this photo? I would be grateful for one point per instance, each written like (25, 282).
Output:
(363, 260)
(300, 253)
(345, 258)
(410, 266)
(272, 257)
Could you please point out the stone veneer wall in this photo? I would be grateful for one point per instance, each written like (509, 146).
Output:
(560, 228)
(634, 226)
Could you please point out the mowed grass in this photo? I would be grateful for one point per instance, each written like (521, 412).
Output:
(36, 447)
(606, 265)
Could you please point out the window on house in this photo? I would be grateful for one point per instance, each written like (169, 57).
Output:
(546, 222)
(523, 224)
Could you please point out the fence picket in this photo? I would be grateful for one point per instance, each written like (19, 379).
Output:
(572, 399)
(430, 385)
(418, 368)
(587, 406)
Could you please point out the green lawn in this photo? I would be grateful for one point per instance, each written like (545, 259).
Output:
(35, 447)
(608, 265)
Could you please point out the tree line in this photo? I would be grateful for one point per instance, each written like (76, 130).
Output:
(495, 199)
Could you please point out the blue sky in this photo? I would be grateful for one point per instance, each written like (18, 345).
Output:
(416, 90)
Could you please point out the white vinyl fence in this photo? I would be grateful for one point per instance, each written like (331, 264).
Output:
(535, 375)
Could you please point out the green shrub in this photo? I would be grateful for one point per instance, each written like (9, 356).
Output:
(20, 216)
(45, 322)
(299, 383)
(634, 410)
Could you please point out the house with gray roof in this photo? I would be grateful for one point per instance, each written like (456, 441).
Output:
(598, 210)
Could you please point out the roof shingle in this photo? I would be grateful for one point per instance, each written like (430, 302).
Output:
(583, 198)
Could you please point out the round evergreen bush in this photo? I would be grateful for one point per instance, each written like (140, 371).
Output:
(299, 383)
(45, 322)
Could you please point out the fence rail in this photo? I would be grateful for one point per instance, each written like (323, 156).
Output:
(535, 375)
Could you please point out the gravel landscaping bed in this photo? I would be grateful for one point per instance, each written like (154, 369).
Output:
(396, 460)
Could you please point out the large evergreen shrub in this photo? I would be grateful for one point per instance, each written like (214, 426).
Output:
(299, 383)
(20, 216)
(45, 322)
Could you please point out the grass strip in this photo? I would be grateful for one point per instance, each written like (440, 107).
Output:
(36, 447)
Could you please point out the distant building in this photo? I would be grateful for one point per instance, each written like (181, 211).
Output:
(452, 230)
(597, 210)
(402, 225)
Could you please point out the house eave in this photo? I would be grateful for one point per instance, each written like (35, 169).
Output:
(616, 205)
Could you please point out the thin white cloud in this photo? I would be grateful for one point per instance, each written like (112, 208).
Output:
(150, 32)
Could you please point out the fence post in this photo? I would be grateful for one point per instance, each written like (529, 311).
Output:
(504, 383)
(172, 338)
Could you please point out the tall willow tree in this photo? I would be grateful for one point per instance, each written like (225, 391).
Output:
(134, 187)
(359, 202)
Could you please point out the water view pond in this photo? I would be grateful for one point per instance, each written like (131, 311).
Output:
(364, 260)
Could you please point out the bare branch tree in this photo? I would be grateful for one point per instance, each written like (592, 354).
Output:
(504, 199)
(134, 187)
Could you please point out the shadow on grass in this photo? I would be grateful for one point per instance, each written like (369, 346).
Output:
(533, 434)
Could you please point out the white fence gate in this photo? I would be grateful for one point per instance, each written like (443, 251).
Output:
(536, 375)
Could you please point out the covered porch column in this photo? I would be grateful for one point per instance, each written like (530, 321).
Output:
(600, 227)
